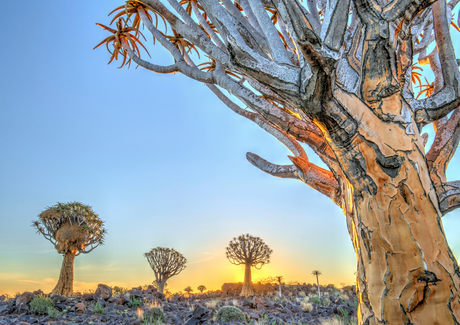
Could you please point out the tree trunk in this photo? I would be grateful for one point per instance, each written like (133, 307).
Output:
(319, 291)
(280, 288)
(407, 273)
(161, 285)
(64, 287)
(247, 290)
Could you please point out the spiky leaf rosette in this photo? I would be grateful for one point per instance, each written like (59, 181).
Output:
(165, 262)
(247, 249)
(71, 227)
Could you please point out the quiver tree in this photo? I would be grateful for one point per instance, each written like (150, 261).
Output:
(165, 263)
(317, 273)
(249, 251)
(336, 75)
(73, 228)
(201, 288)
(279, 278)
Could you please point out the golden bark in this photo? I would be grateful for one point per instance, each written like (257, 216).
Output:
(247, 289)
(407, 273)
(64, 287)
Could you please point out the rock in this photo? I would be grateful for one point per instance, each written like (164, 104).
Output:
(351, 289)
(254, 316)
(80, 308)
(25, 298)
(159, 295)
(58, 299)
(88, 296)
(343, 310)
(4, 308)
(135, 293)
(199, 316)
(260, 306)
(122, 300)
(103, 291)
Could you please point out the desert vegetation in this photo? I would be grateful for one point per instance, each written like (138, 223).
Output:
(165, 263)
(73, 228)
(249, 251)
(299, 304)
(338, 76)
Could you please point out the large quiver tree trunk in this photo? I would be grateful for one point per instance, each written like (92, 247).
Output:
(64, 287)
(407, 273)
(343, 87)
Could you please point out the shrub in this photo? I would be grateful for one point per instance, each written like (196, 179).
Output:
(98, 309)
(134, 302)
(119, 290)
(315, 300)
(154, 315)
(40, 305)
(53, 313)
(325, 302)
(229, 314)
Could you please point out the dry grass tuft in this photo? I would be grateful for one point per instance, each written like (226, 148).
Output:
(212, 304)
(331, 321)
(306, 306)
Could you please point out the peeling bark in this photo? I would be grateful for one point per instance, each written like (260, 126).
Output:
(347, 94)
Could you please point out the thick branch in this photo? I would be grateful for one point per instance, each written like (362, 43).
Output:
(449, 197)
(282, 171)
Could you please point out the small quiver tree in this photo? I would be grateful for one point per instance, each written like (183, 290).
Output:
(279, 278)
(317, 273)
(250, 251)
(201, 288)
(188, 290)
(165, 263)
(73, 228)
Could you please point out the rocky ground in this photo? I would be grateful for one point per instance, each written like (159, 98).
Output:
(298, 305)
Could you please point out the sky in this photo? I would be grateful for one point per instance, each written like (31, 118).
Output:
(158, 157)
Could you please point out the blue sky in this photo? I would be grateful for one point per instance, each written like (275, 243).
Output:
(158, 157)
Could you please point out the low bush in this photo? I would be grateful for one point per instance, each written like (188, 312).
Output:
(154, 315)
(230, 314)
(39, 305)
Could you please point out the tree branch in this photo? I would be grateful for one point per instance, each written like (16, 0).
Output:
(449, 197)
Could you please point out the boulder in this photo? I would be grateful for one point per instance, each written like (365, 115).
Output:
(88, 296)
(199, 316)
(58, 299)
(25, 298)
(103, 291)
(159, 295)
(80, 308)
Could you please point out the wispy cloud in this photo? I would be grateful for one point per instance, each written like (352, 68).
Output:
(205, 256)
(47, 281)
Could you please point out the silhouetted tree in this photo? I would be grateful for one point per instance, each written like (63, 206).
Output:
(279, 278)
(336, 75)
(250, 251)
(317, 273)
(201, 288)
(165, 263)
(188, 289)
(73, 228)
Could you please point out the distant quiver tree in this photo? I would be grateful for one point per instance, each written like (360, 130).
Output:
(279, 278)
(317, 273)
(165, 263)
(341, 76)
(201, 288)
(73, 228)
(251, 252)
